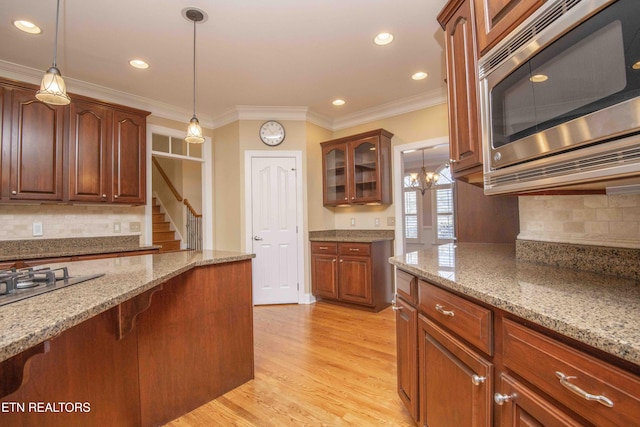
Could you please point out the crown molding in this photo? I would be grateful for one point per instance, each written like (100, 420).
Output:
(391, 109)
(239, 112)
(157, 108)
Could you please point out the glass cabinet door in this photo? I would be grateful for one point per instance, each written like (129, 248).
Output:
(366, 174)
(335, 171)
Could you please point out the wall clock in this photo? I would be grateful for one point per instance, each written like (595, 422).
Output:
(272, 133)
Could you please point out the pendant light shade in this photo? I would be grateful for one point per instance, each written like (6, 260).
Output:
(52, 89)
(194, 131)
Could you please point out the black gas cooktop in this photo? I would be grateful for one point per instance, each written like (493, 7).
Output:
(18, 284)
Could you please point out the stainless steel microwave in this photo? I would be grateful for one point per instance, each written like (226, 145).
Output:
(560, 98)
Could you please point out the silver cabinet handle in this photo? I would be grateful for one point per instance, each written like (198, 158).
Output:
(564, 380)
(354, 250)
(477, 379)
(453, 161)
(14, 192)
(441, 309)
(104, 196)
(394, 307)
(257, 238)
(341, 260)
(501, 399)
(333, 260)
(323, 248)
(115, 196)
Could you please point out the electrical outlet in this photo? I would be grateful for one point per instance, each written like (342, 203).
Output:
(37, 229)
(353, 222)
(391, 220)
(376, 222)
(116, 227)
(134, 226)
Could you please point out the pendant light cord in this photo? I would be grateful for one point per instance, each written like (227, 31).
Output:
(55, 39)
(194, 67)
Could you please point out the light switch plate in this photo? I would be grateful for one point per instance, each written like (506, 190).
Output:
(116, 227)
(391, 220)
(134, 226)
(376, 222)
(353, 222)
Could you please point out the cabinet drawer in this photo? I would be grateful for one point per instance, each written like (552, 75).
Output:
(470, 321)
(324, 248)
(407, 286)
(543, 361)
(363, 249)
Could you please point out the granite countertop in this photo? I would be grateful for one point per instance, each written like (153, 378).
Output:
(14, 250)
(358, 236)
(599, 310)
(33, 320)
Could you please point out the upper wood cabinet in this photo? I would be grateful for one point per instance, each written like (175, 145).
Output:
(32, 147)
(496, 18)
(89, 151)
(90, 129)
(129, 158)
(357, 169)
(464, 126)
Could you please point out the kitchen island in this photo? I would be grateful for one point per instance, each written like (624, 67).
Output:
(155, 337)
(515, 342)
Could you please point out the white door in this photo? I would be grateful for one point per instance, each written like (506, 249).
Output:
(274, 230)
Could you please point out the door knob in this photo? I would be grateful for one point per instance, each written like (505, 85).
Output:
(257, 238)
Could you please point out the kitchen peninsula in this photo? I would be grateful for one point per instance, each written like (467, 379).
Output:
(155, 337)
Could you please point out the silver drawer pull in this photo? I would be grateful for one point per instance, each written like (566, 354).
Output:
(324, 248)
(501, 399)
(441, 309)
(395, 307)
(564, 380)
(354, 250)
(477, 379)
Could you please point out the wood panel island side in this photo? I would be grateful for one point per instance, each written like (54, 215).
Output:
(155, 337)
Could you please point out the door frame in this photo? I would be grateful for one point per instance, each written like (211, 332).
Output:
(397, 178)
(207, 178)
(248, 224)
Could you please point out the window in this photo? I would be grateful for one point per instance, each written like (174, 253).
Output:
(411, 212)
(444, 206)
(175, 147)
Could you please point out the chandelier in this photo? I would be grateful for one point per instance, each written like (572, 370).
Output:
(423, 180)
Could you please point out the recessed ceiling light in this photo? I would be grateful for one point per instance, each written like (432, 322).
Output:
(27, 27)
(383, 39)
(539, 78)
(419, 75)
(139, 63)
(636, 66)
(338, 102)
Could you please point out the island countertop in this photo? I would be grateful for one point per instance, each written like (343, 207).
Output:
(599, 310)
(33, 320)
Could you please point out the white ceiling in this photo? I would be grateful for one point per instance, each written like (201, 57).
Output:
(279, 53)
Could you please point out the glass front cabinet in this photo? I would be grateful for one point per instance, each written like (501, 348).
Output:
(357, 169)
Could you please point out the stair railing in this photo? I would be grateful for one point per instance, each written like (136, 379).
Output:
(194, 228)
(194, 219)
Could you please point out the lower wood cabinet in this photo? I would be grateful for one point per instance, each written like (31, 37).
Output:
(518, 405)
(456, 384)
(407, 353)
(352, 273)
(480, 366)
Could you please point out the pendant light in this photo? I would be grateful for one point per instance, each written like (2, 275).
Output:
(52, 89)
(423, 180)
(194, 131)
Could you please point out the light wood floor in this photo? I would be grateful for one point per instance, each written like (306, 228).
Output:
(315, 365)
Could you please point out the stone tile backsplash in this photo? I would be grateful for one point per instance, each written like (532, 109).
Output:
(588, 219)
(65, 221)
